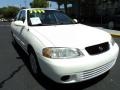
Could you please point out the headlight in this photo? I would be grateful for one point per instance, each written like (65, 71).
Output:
(112, 41)
(61, 53)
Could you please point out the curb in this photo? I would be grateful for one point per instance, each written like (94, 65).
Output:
(115, 35)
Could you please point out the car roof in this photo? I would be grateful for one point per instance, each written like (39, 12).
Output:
(38, 8)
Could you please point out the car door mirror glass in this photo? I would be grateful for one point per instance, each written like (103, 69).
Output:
(19, 23)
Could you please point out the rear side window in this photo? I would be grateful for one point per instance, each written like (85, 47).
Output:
(21, 16)
(17, 17)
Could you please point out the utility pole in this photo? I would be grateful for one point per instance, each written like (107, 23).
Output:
(20, 6)
(25, 2)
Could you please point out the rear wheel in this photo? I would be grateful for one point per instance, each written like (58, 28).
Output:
(13, 39)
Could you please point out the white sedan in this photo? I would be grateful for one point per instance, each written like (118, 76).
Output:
(64, 51)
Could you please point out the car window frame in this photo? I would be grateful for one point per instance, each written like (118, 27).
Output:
(21, 16)
(17, 16)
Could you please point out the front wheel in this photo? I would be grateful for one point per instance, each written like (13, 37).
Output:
(34, 66)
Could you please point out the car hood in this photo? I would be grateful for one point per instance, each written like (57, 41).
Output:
(76, 35)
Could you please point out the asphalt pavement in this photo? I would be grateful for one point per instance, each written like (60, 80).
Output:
(15, 73)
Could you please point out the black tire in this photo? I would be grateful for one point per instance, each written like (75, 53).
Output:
(34, 66)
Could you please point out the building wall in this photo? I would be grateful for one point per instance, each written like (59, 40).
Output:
(92, 10)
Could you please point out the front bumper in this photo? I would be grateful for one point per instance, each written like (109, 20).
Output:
(79, 69)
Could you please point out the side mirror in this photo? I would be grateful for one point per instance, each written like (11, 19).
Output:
(19, 23)
(75, 20)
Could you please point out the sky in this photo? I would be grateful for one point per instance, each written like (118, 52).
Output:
(20, 3)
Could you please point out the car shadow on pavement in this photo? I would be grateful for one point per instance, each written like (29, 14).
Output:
(51, 85)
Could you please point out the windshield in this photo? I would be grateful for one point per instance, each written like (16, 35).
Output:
(48, 17)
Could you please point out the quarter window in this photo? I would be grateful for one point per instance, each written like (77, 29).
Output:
(21, 16)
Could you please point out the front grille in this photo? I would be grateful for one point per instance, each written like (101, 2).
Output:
(97, 49)
(88, 74)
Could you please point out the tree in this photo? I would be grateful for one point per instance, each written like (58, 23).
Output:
(1, 15)
(39, 4)
(9, 12)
